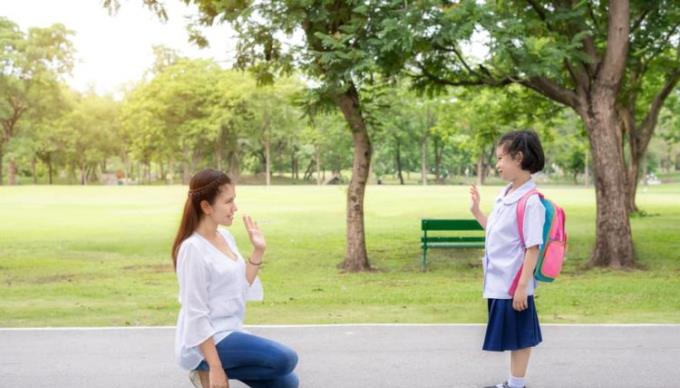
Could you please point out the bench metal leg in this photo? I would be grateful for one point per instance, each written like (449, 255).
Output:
(423, 263)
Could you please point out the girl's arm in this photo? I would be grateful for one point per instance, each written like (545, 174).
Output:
(519, 300)
(474, 207)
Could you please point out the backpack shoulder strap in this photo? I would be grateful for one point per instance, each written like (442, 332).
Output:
(521, 208)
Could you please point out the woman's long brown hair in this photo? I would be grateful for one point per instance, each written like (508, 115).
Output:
(204, 186)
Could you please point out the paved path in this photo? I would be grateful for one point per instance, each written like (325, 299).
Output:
(370, 356)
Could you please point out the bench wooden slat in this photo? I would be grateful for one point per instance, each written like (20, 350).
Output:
(438, 224)
(441, 239)
(470, 244)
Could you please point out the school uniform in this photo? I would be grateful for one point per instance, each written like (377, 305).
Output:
(504, 254)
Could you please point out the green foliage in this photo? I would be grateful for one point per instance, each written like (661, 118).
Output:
(31, 66)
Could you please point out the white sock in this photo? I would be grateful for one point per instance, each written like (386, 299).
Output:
(516, 382)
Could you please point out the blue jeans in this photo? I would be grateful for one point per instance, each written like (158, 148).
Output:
(257, 362)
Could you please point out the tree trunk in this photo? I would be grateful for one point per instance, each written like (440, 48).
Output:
(317, 157)
(162, 171)
(219, 153)
(423, 160)
(480, 170)
(127, 166)
(613, 239)
(12, 172)
(186, 166)
(234, 166)
(34, 171)
(2, 178)
(49, 168)
(586, 172)
(438, 160)
(268, 161)
(632, 178)
(82, 174)
(356, 258)
(398, 161)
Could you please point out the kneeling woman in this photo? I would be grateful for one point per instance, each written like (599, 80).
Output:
(214, 283)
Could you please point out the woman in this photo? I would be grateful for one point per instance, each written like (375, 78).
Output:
(214, 283)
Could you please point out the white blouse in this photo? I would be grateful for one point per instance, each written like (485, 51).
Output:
(213, 290)
(504, 253)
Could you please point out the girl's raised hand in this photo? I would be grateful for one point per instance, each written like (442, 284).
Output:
(255, 234)
(474, 199)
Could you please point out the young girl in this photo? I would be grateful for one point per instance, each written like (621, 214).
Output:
(214, 281)
(513, 321)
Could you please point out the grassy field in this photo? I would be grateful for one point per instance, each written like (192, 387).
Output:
(99, 256)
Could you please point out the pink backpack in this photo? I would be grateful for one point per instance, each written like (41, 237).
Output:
(552, 252)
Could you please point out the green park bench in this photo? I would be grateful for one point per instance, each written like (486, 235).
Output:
(438, 241)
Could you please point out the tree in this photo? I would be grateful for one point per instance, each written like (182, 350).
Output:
(273, 117)
(173, 114)
(573, 53)
(669, 121)
(652, 72)
(88, 134)
(31, 64)
(393, 125)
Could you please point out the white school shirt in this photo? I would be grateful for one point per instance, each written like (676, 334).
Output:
(503, 250)
(213, 290)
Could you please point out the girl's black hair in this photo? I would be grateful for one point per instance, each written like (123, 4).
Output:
(528, 143)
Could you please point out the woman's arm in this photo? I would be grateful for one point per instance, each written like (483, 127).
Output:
(216, 375)
(259, 246)
(253, 265)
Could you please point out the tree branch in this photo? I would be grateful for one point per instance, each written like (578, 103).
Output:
(649, 123)
(540, 11)
(614, 62)
(637, 23)
(552, 90)
(468, 82)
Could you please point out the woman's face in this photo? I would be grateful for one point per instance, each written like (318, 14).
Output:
(508, 168)
(223, 209)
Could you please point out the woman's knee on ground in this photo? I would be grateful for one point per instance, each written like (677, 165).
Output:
(284, 361)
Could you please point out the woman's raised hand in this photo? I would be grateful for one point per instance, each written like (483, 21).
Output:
(255, 234)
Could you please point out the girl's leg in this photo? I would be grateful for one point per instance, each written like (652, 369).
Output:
(519, 361)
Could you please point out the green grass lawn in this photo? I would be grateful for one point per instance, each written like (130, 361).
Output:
(99, 256)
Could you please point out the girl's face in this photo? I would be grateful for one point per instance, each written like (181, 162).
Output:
(508, 168)
(222, 211)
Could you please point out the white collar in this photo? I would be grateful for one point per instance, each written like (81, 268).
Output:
(509, 199)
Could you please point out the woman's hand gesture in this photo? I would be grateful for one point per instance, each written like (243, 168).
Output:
(255, 234)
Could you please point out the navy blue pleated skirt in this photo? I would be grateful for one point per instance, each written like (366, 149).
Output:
(509, 329)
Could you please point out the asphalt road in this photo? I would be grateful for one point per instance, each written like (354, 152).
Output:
(335, 356)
